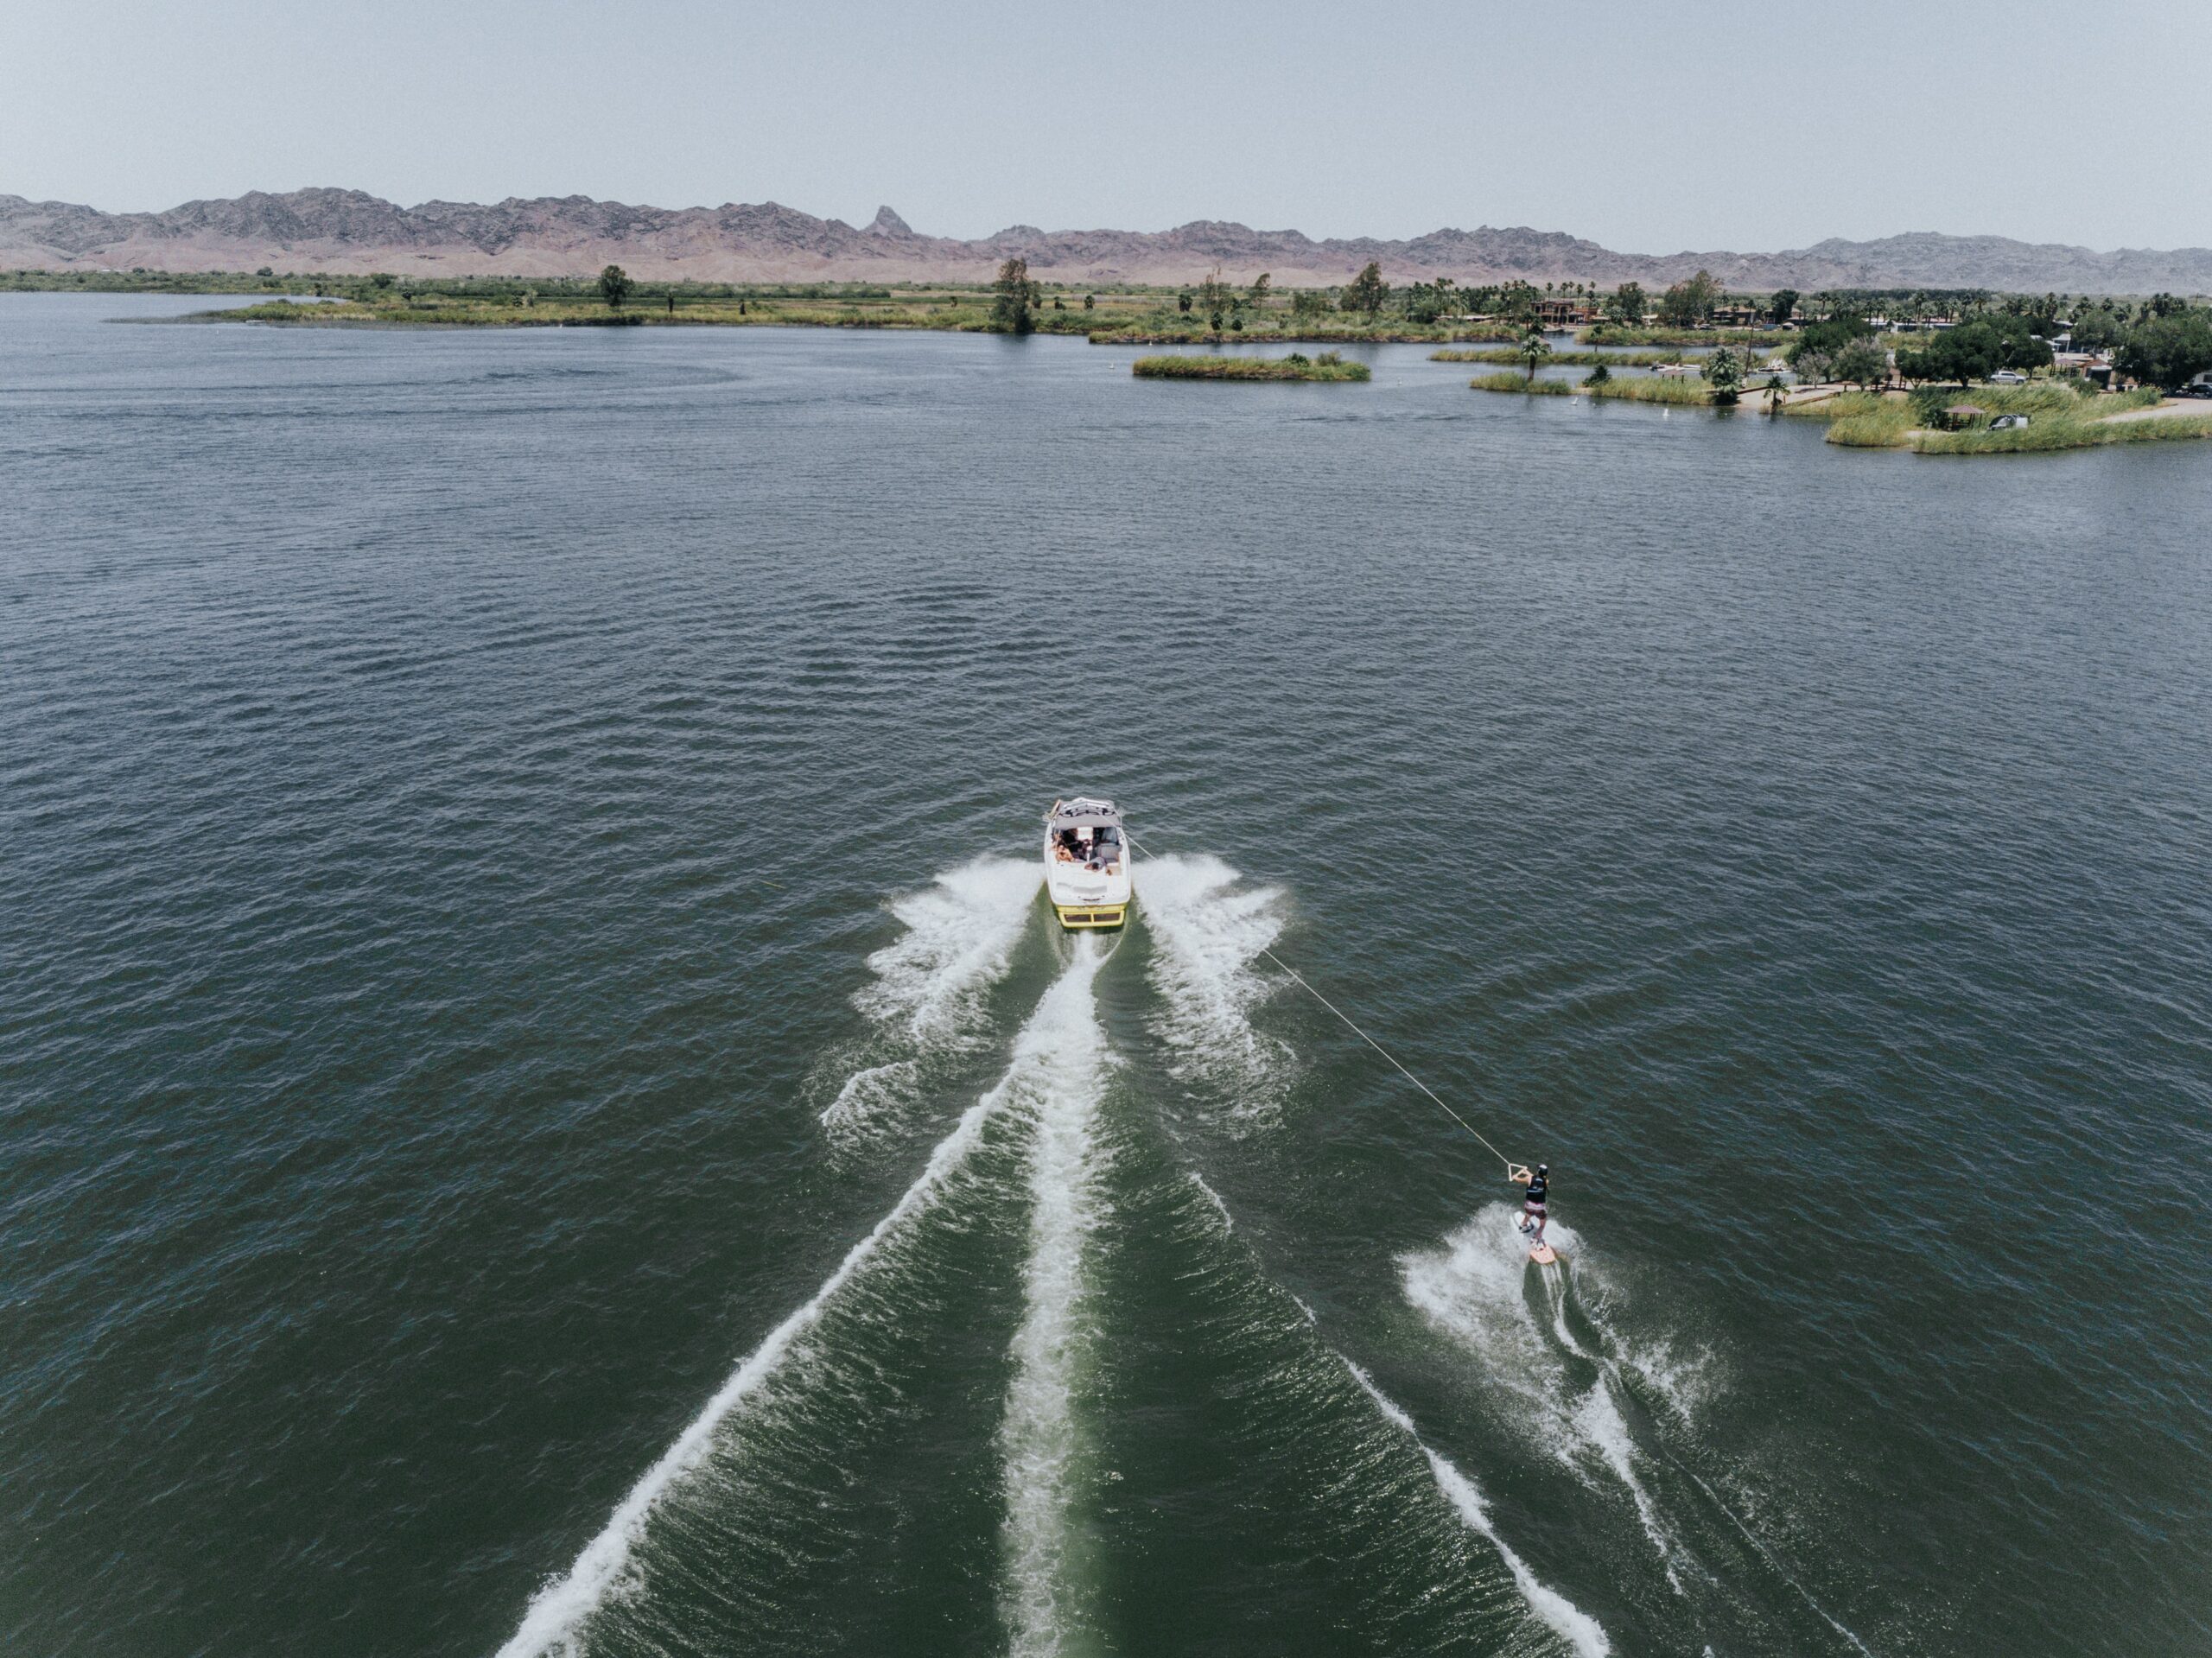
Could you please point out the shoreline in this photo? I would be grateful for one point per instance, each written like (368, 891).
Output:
(2058, 418)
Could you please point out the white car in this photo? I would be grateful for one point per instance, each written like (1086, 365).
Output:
(2006, 377)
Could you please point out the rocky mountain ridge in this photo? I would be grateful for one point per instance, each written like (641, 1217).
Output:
(349, 232)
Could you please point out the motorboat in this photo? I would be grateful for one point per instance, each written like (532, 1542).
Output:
(1087, 863)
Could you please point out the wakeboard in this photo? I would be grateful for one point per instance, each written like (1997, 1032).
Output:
(1542, 1253)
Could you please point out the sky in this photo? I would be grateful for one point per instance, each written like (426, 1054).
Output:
(1652, 127)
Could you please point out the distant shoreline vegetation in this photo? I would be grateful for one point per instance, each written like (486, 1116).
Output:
(1296, 366)
(1643, 389)
(1563, 358)
(2051, 416)
(1946, 330)
(1871, 338)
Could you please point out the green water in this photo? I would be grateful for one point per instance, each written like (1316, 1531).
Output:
(541, 1101)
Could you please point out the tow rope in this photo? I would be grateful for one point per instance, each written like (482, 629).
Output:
(1510, 1163)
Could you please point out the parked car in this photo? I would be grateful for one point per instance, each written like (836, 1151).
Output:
(2194, 389)
(2007, 423)
(2006, 377)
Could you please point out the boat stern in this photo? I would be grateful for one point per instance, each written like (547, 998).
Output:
(1091, 917)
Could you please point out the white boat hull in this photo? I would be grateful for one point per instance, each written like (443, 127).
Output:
(1083, 898)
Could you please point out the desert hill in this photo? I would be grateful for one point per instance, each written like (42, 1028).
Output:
(351, 232)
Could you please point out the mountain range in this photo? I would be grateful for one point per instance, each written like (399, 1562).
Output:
(349, 232)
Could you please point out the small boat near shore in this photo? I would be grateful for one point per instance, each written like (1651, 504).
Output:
(1087, 863)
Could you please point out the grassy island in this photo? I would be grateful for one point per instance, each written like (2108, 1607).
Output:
(1290, 332)
(1674, 390)
(1618, 333)
(1927, 419)
(1296, 366)
(2058, 415)
(1561, 359)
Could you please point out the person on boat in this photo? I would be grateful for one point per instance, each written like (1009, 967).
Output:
(1538, 1180)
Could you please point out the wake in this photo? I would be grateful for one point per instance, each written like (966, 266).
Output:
(1212, 931)
(928, 997)
(1041, 1439)
(557, 1614)
(1473, 1290)
(1568, 1393)
(1577, 1627)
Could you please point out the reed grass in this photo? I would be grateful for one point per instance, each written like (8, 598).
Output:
(1522, 383)
(1610, 333)
(1562, 359)
(1679, 391)
(2059, 417)
(1327, 366)
(1643, 389)
(2055, 432)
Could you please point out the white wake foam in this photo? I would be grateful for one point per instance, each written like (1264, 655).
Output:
(1040, 1437)
(555, 1613)
(1584, 1632)
(1228, 1223)
(960, 931)
(928, 991)
(1553, 1608)
(1212, 931)
(1474, 1290)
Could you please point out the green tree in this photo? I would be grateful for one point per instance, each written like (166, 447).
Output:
(2166, 351)
(1723, 372)
(381, 279)
(1183, 303)
(1976, 350)
(1533, 350)
(2097, 329)
(1813, 353)
(1307, 303)
(1689, 304)
(614, 285)
(1261, 286)
(1367, 291)
(1782, 305)
(1970, 351)
(1090, 301)
(2023, 341)
(1860, 362)
(1427, 301)
(1014, 297)
(1599, 376)
(1214, 296)
(1626, 306)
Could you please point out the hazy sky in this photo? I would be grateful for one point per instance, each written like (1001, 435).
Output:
(1651, 127)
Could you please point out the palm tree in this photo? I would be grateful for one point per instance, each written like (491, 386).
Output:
(1535, 349)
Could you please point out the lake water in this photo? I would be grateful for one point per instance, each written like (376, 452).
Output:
(539, 1102)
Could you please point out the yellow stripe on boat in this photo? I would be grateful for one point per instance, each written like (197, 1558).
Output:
(1079, 918)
